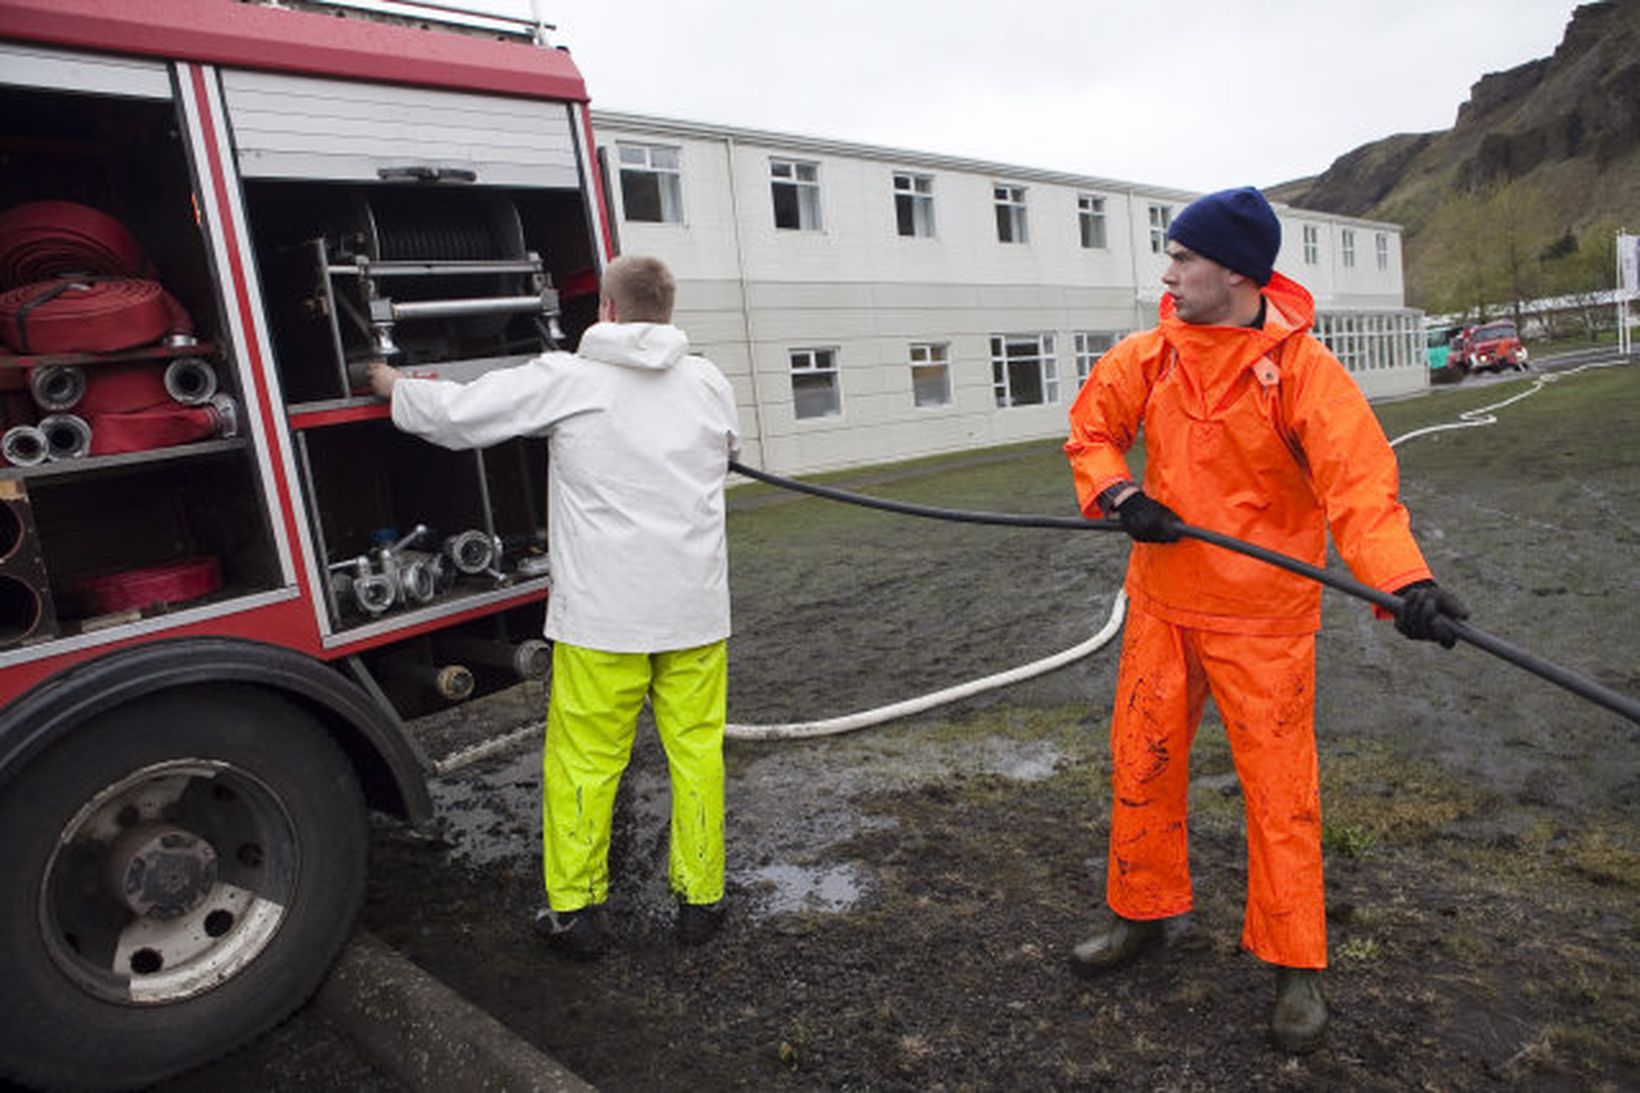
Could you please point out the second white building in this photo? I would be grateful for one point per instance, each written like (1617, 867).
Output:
(872, 304)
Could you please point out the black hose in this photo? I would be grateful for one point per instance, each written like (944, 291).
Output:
(1579, 685)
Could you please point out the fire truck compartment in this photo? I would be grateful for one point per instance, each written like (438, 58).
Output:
(74, 513)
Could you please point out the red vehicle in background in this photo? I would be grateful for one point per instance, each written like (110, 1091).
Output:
(1491, 347)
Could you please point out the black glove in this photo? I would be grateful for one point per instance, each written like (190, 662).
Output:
(1425, 609)
(1148, 520)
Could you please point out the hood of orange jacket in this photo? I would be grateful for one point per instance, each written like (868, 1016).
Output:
(1217, 357)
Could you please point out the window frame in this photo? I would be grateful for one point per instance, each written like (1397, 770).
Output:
(1090, 221)
(1161, 219)
(813, 368)
(1312, 244)
(1012, 212)
(668, 181)
(914, 198)
(1046, 359)
(1381, 245)
(1086, 355)
(935, 357)
(804, 192)
(1346, 247)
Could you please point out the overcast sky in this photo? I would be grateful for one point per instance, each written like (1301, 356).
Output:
(1194, 94)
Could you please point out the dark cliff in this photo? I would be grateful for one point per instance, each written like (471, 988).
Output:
(1546, 150)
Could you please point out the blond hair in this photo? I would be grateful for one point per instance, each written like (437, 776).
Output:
(641, 288)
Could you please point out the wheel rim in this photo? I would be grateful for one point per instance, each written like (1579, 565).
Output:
(168, 882)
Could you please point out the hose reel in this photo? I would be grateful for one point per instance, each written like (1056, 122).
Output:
(426, 276)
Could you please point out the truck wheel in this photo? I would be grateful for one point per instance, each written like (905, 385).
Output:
(179, 874)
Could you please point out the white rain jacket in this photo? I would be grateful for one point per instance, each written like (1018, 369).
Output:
(639, 435)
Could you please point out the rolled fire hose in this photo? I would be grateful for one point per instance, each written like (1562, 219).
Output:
(41, 240)
(75, 280)
(1554, 673)
(123, 387)
(88, 315)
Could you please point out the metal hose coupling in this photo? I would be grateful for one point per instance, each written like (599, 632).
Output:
(421, 575)
(57, 386)
(454, 682)
(372, 592)
(224, 413)
(68, 436)
(23, 446)
(471, 552)
(191, 381)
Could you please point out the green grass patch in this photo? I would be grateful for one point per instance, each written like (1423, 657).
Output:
(1372, 794)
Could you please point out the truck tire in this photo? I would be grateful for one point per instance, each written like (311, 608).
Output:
(179, 873)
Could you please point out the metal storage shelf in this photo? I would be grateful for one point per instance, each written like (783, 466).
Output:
(85, 465)
(455, 602)
(17, 363)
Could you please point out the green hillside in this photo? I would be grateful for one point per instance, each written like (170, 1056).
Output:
(1521, 197)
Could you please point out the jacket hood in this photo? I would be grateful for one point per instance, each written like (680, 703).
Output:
(1217, 353)
(653, 346)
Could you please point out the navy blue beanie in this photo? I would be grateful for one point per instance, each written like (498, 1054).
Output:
(1235, 228)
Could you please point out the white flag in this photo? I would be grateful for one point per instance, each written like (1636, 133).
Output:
(1628, 264)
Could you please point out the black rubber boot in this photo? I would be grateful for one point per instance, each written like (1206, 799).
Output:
(578, 935)
(1118, 942)
(698, 923)
(1298, 1024)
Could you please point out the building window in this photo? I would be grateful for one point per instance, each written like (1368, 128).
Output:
(1090, 345)
(796, 189)
(1161, 216)
(1023, 369)
(914, 204)
(1090, 216)
(1346, 247)
(1312, 244)
(931, 374)
(1011, 227)
(651, 187)
(1383, 250)
(815, 388)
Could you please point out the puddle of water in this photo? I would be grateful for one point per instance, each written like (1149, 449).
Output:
(787, 889)
(1030, 768)
(1027, 761)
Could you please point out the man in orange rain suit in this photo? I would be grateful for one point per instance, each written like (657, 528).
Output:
(1253, 429)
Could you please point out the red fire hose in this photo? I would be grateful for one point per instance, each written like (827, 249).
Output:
(95, 316)
(75, 281)
(44, 240)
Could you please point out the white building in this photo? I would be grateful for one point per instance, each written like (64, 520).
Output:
(874, 304)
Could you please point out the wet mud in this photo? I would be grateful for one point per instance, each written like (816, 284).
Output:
(904, 898)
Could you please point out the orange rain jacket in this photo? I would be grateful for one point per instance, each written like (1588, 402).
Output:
(1258, 433)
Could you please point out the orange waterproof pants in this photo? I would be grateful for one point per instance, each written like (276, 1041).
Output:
(1264, 687)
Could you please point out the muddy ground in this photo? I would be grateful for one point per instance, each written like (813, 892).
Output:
(905, 896)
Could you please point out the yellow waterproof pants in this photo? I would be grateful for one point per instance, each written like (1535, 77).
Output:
(592, 720)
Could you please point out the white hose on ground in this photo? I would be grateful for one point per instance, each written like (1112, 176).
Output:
(798, 730)
(848, 723)
(1482, 415)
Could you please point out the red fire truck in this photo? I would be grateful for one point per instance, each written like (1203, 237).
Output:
(226, 582)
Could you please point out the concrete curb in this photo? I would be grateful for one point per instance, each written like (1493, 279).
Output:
(424, 1033)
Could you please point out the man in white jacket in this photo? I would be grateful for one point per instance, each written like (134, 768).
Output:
(639, 437)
